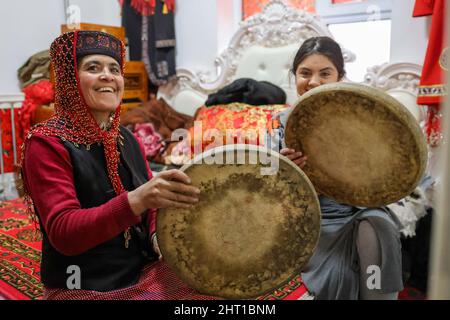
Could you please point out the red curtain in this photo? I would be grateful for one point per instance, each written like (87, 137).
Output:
(432, 87)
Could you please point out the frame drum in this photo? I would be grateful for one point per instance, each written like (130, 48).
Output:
(250, 232)
(364, 147)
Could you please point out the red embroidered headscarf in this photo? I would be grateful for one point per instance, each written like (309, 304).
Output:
(73, 120)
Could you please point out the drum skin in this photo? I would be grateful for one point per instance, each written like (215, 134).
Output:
(249, 233)
(364, 148)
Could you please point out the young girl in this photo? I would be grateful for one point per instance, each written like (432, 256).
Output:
(354, 242)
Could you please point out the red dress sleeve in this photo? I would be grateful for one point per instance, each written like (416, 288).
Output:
(48, 177)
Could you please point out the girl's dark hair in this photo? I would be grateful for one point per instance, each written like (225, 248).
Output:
(324, 46)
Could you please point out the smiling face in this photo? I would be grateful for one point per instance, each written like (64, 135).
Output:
(102, 85)
(314, 71)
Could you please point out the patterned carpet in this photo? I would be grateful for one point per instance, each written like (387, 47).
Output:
(21, 254)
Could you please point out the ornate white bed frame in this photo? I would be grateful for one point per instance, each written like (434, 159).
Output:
(263, 49)
(401, 81)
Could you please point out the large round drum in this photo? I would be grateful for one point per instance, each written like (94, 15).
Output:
(254, 228)
(364, 148)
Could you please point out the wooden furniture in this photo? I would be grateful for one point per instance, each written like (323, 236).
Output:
(136, 85)
(43, 113)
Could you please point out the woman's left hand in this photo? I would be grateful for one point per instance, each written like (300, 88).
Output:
(297, 157)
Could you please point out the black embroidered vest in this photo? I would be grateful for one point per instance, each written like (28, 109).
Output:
(110, 265)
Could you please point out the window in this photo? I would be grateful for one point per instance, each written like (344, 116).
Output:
(368, 40)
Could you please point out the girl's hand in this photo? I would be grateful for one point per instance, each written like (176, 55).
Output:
(297, 157)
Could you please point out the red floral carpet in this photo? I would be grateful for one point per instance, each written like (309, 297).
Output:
(20, 261)
(20, 255)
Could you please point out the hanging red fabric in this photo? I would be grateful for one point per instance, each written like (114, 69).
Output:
(147, 7)
(423, 8)
(432, 82)
(170, 5)
(432, 88)
(143, 7)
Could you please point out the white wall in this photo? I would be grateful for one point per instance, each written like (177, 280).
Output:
(409, 36)
(229, 15)
(203, 29)
(30, 26)
(106, 12)
(26, 27)
(196, 33)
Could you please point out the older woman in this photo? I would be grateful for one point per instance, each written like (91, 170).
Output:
(88, 182)
(353, 241)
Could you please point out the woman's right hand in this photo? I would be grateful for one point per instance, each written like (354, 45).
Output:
(171, 188)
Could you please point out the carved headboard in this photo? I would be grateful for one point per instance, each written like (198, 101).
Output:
(263, 48)
(401, 81)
